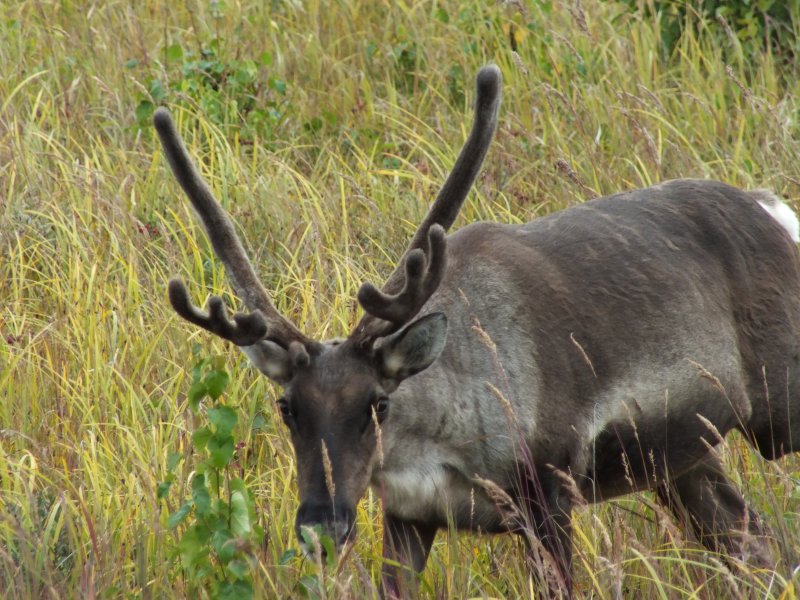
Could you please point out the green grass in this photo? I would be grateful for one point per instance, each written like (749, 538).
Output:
(326, 152)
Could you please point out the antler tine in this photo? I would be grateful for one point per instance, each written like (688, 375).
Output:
(227, 247)
(381, 318)
(243, 330)
(423, 273)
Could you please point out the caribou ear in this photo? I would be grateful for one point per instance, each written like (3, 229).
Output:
(271, 359)
(413, 348)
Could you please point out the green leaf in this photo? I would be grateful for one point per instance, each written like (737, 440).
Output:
(259, 422)
(131, 63)
(197, 392)
(238, 485)
(144, 111)
(330, 117)
(157, 91)
(179, 515)
(287, 557)
(265, 58)
(173, 459)
(224, 419)
(193, 548)
(163, 489)
(197, 369)
(314, 125)
(240, 515)
(223, 543)
(277, 85)
(221, 450)
(174, 52)
(234, 590)
(213, 479)
(218, 520)
(216, 381)
(310, 585)
(245, 73)
(330, 549)
(200, 495)
(200, 438)
(238, 568)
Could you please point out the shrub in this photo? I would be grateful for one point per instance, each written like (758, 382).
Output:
(754, 23)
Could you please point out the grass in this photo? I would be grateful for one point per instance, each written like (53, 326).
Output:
(326, 158)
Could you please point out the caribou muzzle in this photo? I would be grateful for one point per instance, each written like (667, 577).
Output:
(335, 520)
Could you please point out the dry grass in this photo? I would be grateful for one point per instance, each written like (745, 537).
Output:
(93, 363)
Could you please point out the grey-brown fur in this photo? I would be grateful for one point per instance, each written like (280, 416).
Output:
(599, 350)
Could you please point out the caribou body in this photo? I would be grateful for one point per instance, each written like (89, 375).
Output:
(506, 372)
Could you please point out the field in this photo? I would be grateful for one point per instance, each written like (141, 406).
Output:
(325, 129)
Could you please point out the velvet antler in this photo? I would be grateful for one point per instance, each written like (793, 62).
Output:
(420, 271)
(244, 329)
(423, 273)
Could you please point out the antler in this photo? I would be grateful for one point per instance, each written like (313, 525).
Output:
(265, 321)
(423, 273)
(244, 330)
(420, 271)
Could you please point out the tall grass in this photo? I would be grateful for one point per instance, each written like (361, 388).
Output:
(326, 188)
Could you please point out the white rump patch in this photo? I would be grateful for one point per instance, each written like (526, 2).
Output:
(779, 211)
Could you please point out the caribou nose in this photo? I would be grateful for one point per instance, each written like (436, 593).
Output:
(333, 521)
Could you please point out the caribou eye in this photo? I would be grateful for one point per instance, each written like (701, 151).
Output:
(381, 408)
(286, 410)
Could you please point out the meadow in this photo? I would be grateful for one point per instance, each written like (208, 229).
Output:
(325, 129)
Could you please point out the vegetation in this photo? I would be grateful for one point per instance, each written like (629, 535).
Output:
(750, 26)
(324, 128)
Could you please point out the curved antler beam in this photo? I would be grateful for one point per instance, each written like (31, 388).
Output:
(243, 330)
(227, 246)
(451, 196)
(410, 285)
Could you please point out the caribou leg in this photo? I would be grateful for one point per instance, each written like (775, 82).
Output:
(547, 525)
(707, 501)
(407, 543)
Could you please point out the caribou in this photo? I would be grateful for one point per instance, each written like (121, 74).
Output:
(505, 373)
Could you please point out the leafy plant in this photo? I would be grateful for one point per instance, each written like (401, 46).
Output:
(225, 89)
(406, 57)
(753, 22)
(217, 524)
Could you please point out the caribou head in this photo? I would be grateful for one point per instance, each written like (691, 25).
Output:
(336, 394)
